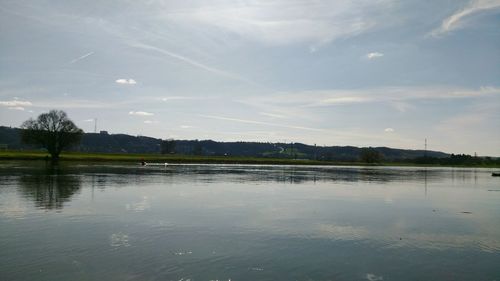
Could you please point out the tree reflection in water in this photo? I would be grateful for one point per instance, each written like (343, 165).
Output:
(50, 187)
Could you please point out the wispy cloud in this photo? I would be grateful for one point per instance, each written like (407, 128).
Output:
(150, 122)
(397, 97)
(340, 100)
(15, 103)
(76, 103)
(178, 98)
(140, 113)
(88, 120)
(81, 57)
(272, 115)
(282, 22)
(126, 81)
(185, 126)
(402, 106)
(20, 108)
(374, 55)
(255, 122)
(389, 130)
(455, 21)
(476, 126)
(187, 60)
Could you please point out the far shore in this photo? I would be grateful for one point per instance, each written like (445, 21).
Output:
(176, 158)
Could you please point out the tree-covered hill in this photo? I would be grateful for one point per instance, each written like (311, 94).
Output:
(121, 143)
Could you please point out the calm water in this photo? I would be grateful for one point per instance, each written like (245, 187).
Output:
(212, 222)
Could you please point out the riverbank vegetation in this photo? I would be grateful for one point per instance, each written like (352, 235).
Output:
(176, 158)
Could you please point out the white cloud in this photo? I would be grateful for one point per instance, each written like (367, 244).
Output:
(126, 81)
(15, 103)
(455, 21)
(389, 130)
(150, 122)
(140, 113)
(374, 55)
(185, 126)
(88, 120)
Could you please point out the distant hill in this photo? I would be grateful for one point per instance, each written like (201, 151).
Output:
(121, 143)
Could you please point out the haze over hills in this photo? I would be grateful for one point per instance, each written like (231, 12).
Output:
(121, 143)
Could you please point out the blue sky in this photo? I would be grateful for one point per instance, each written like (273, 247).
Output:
(364, 73)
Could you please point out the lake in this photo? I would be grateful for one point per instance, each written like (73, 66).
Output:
(247, 222)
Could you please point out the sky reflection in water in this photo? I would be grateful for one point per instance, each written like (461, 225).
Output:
(208, 222)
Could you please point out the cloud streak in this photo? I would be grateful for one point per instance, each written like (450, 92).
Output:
(187, 60)
(182, 98)
(247, 121)
(81, 58)
(20, 108)
(396, 96)
(455, 21)
(140, 113)
(15, 103)
(272, 115)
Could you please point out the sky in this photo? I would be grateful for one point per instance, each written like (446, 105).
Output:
(345, 72)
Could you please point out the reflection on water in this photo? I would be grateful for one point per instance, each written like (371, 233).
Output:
(49, 187)
(247, 222)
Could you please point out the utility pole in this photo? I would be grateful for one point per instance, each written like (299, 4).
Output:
(95, 125)
(425, 148)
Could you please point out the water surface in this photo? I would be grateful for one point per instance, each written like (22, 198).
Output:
(247, 222)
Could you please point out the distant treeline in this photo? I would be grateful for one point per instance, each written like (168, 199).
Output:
(458, 160)
(121, 143)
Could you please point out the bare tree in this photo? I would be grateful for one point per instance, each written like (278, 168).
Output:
(53, 130)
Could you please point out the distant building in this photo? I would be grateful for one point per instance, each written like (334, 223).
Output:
(104, 133)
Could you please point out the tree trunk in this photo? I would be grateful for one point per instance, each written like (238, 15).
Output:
(54, 157)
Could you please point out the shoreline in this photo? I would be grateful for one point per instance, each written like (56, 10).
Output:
(195, 159)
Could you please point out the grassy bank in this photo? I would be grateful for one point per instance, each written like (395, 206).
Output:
(174, 158)
(158, 158)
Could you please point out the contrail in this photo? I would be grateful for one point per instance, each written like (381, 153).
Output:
(260, 123)
(81, 58)
(184, 59)
(191, 62)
